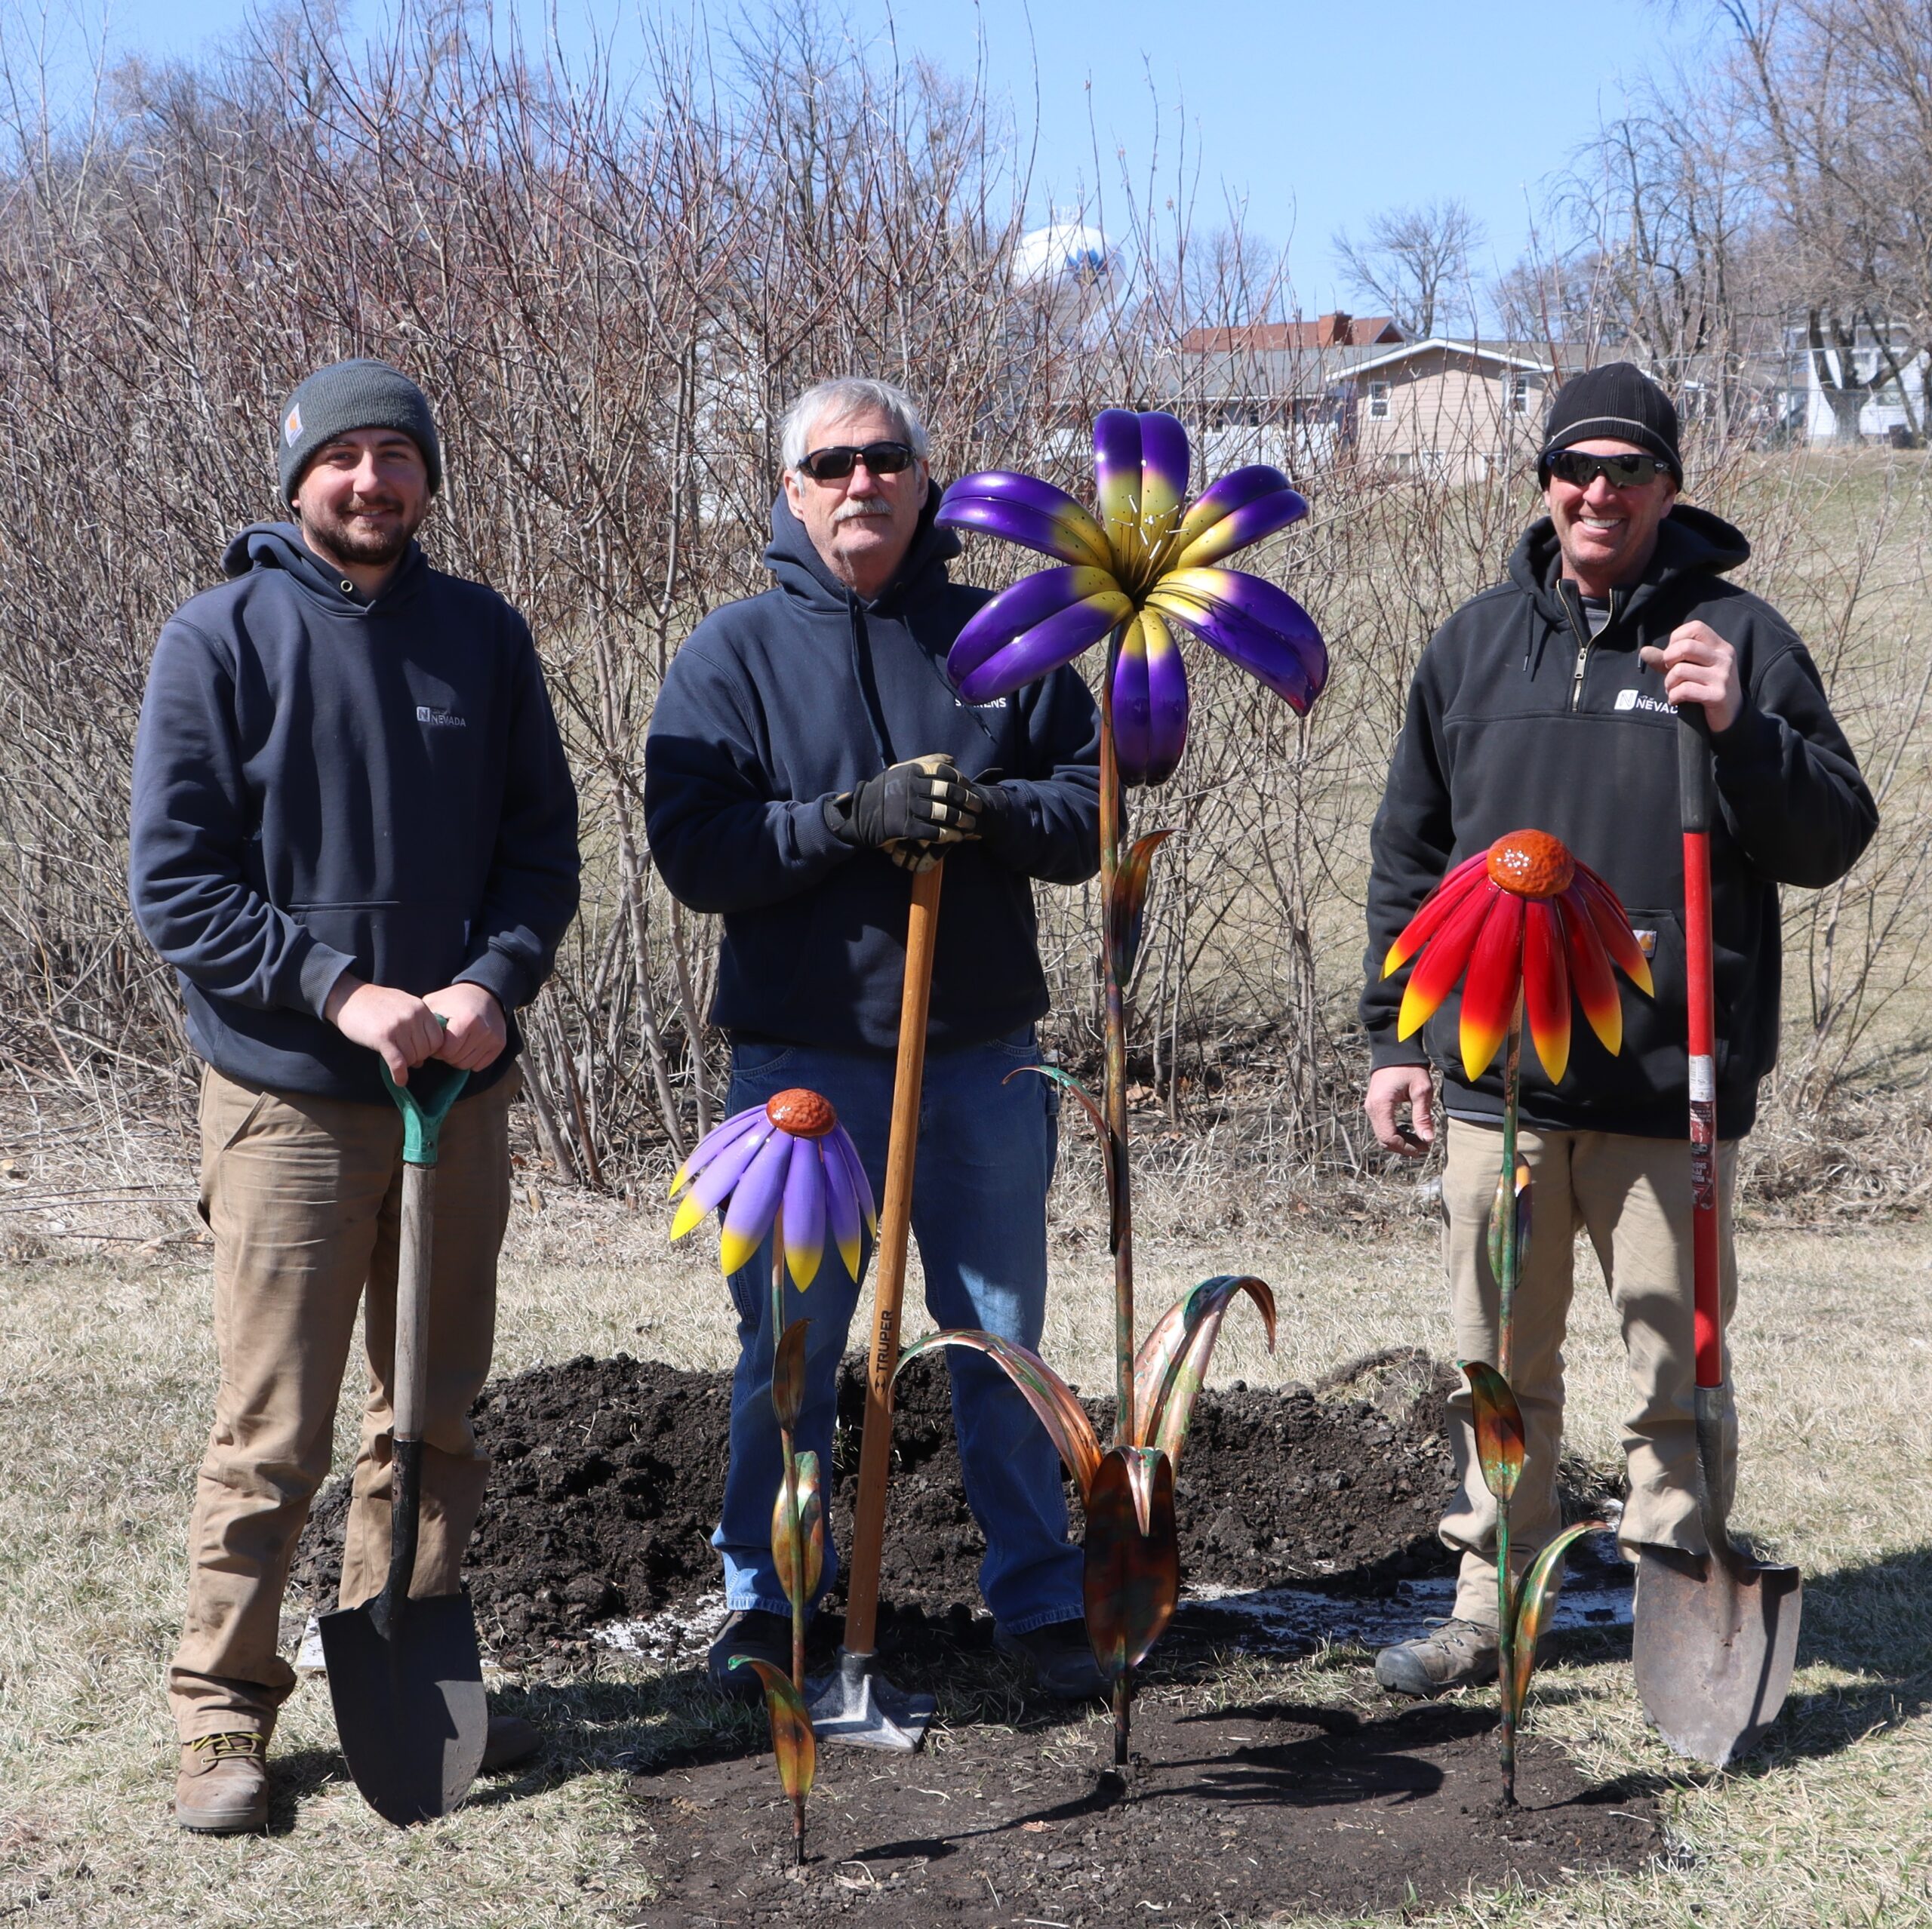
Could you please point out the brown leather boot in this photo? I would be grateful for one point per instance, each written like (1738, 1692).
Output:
(223, 1789)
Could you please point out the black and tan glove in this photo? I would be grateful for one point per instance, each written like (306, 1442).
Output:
(924, 800)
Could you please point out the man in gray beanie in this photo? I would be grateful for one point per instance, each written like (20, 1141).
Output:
(1550, 702)
(354, 837)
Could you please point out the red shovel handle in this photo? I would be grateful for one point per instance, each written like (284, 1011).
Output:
(1696, 803)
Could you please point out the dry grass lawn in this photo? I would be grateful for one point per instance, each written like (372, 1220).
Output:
(106, 1371)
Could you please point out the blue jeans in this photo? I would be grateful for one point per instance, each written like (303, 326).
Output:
(986, 1154)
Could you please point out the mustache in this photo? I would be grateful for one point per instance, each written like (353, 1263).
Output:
(858, 505)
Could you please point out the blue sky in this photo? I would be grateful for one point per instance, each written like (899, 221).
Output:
(1314, 115)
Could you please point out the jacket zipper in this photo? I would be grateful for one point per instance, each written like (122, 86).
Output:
(1573, 609)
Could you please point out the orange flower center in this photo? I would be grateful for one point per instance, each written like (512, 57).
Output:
(803, 1114)
(1531, 863)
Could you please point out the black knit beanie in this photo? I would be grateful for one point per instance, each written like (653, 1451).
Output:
(360, 394)
(1617, 402)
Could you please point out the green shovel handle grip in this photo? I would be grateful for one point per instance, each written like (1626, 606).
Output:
(425, 1103)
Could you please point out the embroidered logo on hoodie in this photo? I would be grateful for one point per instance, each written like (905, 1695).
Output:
(441, 719)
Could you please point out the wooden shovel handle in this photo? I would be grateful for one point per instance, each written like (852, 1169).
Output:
(1695, 803)
(895, 1227)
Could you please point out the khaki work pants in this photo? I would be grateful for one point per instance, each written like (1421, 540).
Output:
(1633, 1196)
(304, 1197)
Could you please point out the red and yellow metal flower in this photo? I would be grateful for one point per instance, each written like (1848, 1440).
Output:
(1523, 916)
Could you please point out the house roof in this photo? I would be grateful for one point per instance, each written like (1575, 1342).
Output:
(1505, 354)
(1338, 330)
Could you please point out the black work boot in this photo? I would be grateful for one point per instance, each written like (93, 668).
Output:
(758, 1636)
(1060, 1657)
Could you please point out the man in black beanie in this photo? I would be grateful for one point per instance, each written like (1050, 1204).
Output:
(1550, 702)
(355, 838)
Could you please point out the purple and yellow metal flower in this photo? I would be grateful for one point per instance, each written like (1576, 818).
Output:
(1526, 916)
(791, 1152)
(1146, 562)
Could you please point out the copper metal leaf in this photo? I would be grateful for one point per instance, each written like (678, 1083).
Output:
(1132, 1576)
(1112, 1158)
(1172, 1362)
(1055, 1404)
(788, 1376)
(1536, 1599)
(1498, 1208)
(1130, 903)
(1498, 1428)
(792, 1742)
(811, 1520)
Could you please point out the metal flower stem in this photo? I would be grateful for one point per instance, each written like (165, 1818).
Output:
(1113, 831)
(1513, 1067)
(788, 1448)
(790, 1452)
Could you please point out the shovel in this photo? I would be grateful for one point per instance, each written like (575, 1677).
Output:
(856, 1703)
(404, 1674)
(1716, 1634)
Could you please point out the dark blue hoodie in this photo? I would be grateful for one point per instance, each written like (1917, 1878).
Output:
(781, 701)
(324, 783)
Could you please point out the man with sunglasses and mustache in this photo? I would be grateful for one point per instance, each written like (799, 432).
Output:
(1551, 702)
(806, 754)
(355, 838)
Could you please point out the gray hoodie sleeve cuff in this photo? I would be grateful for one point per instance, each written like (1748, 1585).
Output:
(1385, 1049)
(322, 965)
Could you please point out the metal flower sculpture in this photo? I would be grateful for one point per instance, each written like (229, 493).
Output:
(1529, 925)
(1145, 563)
(788, 1168)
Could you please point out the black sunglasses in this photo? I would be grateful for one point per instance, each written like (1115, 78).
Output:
(1625, 472)
(834, 464)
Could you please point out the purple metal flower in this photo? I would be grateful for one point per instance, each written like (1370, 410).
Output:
(1143, 565)
(792, 1151)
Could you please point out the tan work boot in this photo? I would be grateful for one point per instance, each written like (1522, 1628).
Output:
(223, 1788)
(1457, 1654)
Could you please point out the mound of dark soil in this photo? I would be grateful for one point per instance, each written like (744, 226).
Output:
(1229, 1814)
(609, 1475)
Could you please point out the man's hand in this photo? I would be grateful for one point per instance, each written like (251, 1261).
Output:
(1390, 1089)
(397, 1023)
(476, 1031)
(923, 800)
(1699, 666)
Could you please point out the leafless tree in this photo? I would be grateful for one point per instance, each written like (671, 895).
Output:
(1415, 263)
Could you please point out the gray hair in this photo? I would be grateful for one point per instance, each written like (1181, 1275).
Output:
(847, 394)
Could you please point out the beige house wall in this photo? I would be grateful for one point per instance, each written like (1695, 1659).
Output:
(1446, 416)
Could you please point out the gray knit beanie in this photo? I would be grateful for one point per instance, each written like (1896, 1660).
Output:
(360, 394)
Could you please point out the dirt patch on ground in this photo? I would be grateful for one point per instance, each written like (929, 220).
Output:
(1231, 1814)
(609, 1475)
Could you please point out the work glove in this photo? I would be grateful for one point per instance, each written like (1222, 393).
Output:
(924, 800)
(996, 810)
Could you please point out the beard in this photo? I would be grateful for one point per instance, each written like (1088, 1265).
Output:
(355, 542)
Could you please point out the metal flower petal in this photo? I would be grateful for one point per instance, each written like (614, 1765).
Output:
(1150, 701)
(1130, 1580)
(1243, 507)
(790, 1152)
(1499, 1423)
(1253, 624)
(1023, 510)
(1045, 620)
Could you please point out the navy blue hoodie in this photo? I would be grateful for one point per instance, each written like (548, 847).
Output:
(777, 703)
(1519, 719)
(324, 784)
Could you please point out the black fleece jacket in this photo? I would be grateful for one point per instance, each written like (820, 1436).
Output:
(1518, 719)
(324, 783)
(778, 703)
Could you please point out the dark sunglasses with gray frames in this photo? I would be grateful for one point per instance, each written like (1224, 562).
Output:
(1623, 472)
(835, 463)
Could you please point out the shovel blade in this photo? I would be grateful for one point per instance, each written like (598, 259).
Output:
(856, 1705)
(409, 1707)
(1713, 1647)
